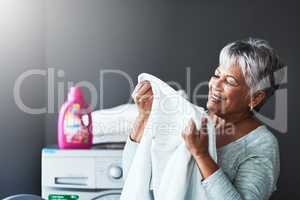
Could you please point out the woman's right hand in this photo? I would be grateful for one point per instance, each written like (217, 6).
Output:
(143, 99)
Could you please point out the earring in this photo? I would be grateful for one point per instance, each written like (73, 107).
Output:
(251, 108)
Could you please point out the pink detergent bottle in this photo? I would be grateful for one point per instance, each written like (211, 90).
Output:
(72, 132)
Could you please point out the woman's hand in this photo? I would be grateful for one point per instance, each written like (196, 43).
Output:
(143, 99)
(196, 141)
(197, 144)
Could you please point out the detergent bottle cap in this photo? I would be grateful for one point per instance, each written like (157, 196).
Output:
(75, 93)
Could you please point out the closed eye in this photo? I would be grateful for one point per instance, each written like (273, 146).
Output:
(230, 80)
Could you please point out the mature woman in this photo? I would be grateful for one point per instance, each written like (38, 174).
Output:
(248, 154)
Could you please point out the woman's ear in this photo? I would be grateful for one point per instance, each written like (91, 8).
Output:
(257, 98)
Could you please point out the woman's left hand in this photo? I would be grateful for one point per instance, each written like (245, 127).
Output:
(196, 141)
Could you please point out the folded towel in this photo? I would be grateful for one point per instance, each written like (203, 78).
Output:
(113, 124)
(162, 158)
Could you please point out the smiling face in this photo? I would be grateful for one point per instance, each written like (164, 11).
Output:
(228, 92)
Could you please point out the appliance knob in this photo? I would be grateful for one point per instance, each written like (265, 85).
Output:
(115, 172)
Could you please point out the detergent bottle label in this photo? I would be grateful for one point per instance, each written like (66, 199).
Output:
(74, 131)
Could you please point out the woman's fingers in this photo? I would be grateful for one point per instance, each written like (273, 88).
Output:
(215, 119)
(144, 88)
(220, 126)
(203, 129)
(196, 141)
(190, 127)
(189, 131)
(145, 96)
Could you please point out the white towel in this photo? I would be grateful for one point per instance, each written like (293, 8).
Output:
(162, 158)
(115, 123)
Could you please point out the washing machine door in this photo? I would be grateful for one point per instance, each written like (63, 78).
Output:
(109, 195)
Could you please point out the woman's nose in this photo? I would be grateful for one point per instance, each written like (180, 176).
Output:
(217, 85)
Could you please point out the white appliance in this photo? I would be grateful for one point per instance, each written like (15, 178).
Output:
(94, 174)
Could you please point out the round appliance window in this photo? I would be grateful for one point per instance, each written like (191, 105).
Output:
(113, 195)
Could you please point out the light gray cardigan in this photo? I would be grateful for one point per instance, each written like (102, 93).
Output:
(249, 167)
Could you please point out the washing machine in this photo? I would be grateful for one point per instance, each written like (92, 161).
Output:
(94, 174)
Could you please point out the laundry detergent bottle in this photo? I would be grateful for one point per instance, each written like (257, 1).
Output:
(72, 132)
